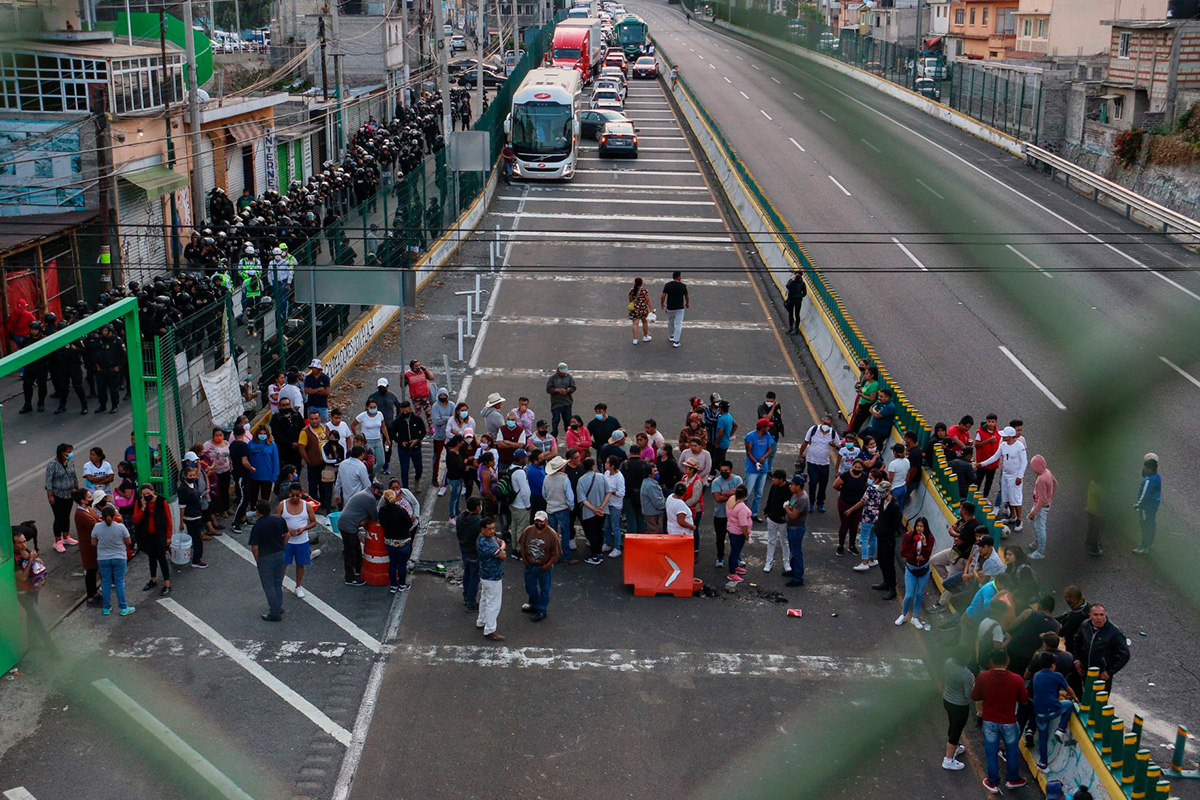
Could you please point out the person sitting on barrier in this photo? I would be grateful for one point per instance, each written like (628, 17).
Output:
(1048, 683)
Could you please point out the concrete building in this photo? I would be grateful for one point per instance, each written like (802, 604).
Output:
(1075, 27)
(938, 21)
(1153, 71)
(981, 30)
(894, 22)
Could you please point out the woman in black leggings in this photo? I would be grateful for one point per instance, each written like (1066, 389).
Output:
(956, 699)
(152, 527)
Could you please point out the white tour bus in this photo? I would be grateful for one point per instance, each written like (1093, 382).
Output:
(544, 124)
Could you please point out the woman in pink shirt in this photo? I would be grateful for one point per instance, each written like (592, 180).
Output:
(740, 521)
(578, 437)
(1043, 495)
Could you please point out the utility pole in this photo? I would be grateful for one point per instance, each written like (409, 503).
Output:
(194, 112)
(106, 181)
(443, 68)
(324, 68)
(212, 18)
(480, 32)
(167, 91)
(404, 73)
(337, 77)
(237, 18)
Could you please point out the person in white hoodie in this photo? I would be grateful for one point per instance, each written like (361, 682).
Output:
(1013, 462)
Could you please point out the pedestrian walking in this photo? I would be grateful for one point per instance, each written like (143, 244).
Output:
(61, 481)
(1044, 488)
(796, 513)
(300, 519)
(888, 526)
(362, 507)
(639, 310)
(561, 388)
(152, 530)
(492, 554)
(1000, 692)
(818, 449)
(958, 682)
(775, 512)
(539, 547)
(466, 528)
(675, 302)
(419, 379)
(398, 534)
(268, 539)
(408, 433)
(915, 549)
(111, 541)
(1149, 499)
(794, 293)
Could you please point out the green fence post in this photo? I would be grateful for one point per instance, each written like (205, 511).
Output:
(1006, 82)
(1117, 763)
(995, 97)
(1103, 726)
(1137, 727)
(1111, 749)
(1021, 109)
(1140, 767)
(1181, 735)
(1129, 759)
(1153, 776)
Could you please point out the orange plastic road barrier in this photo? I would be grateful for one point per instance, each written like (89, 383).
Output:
(375, 556)
(658, 564)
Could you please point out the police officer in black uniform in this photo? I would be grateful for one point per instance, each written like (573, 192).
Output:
(35, 373)
(69, 374)
(109, 356)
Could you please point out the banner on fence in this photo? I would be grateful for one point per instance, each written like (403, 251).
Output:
(224, 393)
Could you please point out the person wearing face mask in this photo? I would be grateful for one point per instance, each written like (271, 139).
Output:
(602, 426)
(264, 459)
(771, 409)
(847, 453)
(871, 455)
(542, 441)
(216, 455)
(539, 547)
(723, 488)
(441, 413)
(285, 432)
(850, 486)
(510, 438)
(578, 437)
(867, 509)
(461, 421)
(818, 448)
(61, 482)
(372, 425)
(152, 529)
(387, 403)
(408, 431)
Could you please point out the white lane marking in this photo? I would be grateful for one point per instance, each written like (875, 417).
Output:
(1028, 261)
(798, 97)
(286, 652)
(610, 188)
(765, 114)
(620, 200)
(809, 667)
(911, 257)
(613, 323)
(727, 80)
(739, 58)
(931, 189)
(641, 160)
(603, 217)
(826, 115)
(169, 739)
(626, 279)
(616, 171)
(1014, 190)
(755, 66)
(633, 376)
(1194, 381)
(712, 66)
(873, 147)
(798, 147)
(776, 80)
(287, 693)
(19, 793)
(571, 236)
(838, 184)
(323, 608)
(743, 94)
(1033, 378)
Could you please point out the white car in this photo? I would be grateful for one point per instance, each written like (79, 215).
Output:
(616, 86)
(448, 30)
(607, 99)
(458, 42)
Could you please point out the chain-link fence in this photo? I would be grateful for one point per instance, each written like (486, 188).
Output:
(1005, 98)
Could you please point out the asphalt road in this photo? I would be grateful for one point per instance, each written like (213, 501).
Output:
(949, 253)
(636, 697)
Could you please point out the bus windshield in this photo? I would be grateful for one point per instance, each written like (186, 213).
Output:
(631, 34)
(540, 129)
(566, 53)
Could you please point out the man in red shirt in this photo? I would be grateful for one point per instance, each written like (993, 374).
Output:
(1001, 691)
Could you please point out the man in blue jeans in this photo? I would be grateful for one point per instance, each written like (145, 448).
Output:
(466, 526)
(1048, 682)
(539, 546)
(760, 446)
(796, 510)
(1000, 692)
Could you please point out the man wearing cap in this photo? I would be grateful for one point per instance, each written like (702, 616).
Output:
(561, 388)
(440, 414)
(796, 512)
(518, 507)
(493, 417)
(560, 499)
(1149, 499)
(539, 547)
(760, 446)
(679, 515)
(614, 448)
(316, 389)
(542, 440)
(360, 508)
(408, 432)
(1013, 462)
(387, 402)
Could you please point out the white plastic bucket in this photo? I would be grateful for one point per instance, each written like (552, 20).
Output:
(181, 549)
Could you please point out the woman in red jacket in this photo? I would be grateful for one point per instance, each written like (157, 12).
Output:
(915, 549)
(152, 530)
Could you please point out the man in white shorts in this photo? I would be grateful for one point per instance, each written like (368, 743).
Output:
(1013, 460)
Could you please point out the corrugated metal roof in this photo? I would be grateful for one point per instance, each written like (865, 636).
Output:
(17, 231)
(91, 50)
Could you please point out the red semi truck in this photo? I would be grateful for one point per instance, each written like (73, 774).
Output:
(577, 44)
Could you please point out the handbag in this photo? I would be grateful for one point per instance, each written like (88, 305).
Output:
(328, 474)
(631, 304)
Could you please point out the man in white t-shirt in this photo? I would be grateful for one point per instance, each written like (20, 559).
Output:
(897, 470)
(818, 448)
(1014, 460)
(291, 390)
(679, 515)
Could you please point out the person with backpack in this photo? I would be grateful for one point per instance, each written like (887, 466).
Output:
(818, 448)
(514, 492)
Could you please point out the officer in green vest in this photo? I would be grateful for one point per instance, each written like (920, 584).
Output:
(250, 270)
(222, 277)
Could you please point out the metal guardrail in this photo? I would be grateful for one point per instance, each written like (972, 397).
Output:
(1169, 220)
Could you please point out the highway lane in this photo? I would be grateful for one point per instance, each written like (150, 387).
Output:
(849, 179)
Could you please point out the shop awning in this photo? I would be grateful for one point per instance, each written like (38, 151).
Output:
(155, 181)
(245, 132)
(932, 42)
